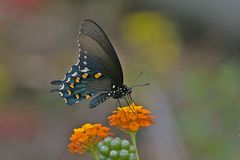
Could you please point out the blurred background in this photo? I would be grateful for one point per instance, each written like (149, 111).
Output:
(188, 51)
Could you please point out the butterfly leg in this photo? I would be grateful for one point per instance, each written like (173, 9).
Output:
(130, 98)
(120, 106)
(129, 105)
(117, 104)
(127, 101)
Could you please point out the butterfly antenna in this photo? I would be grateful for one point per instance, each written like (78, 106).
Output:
(139, 75)
(139, 85)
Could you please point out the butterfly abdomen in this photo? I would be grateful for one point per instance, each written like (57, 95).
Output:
(99, 99)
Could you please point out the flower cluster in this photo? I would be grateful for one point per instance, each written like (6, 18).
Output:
(131, 118)
(92, 137)
(86, 137)
(116, 149)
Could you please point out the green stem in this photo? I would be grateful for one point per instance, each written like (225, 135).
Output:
(94, 154)
(133, 139)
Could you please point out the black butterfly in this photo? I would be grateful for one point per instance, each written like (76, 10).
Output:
(98, 73)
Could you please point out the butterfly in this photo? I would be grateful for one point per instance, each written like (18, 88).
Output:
(98, 73)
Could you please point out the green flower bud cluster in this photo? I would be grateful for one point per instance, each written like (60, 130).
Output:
(115, 149)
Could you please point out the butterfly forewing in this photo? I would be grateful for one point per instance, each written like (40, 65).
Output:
(108, 57)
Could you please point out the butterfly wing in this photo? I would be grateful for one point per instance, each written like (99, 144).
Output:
(107, 57)
(96, 72)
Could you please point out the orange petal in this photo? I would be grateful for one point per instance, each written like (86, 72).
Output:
(134, 126)
(132, 116)
(145, 123)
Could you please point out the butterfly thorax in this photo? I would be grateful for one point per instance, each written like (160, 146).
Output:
(119, 92)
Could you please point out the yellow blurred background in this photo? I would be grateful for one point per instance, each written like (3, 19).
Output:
(188, 51)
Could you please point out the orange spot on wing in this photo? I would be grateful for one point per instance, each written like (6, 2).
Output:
(85, 75)
(69, 92)
(77, 80)
(72, 85)
(87, 96)
(77, 96)
(98, 75)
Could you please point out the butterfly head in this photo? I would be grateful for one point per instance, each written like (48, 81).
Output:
(119, 92)
(129, 90)
(126, 90)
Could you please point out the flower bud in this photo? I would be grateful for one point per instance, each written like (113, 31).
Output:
(123, 154)
(115, 144)
(107, 140)
(104, 150)
(125, 144)
(113, 154)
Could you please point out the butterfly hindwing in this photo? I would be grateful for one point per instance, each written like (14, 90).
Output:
(78, 85)
(73, 88)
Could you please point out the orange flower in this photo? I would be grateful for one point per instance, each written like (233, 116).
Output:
(86, 137)
(131, 117)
